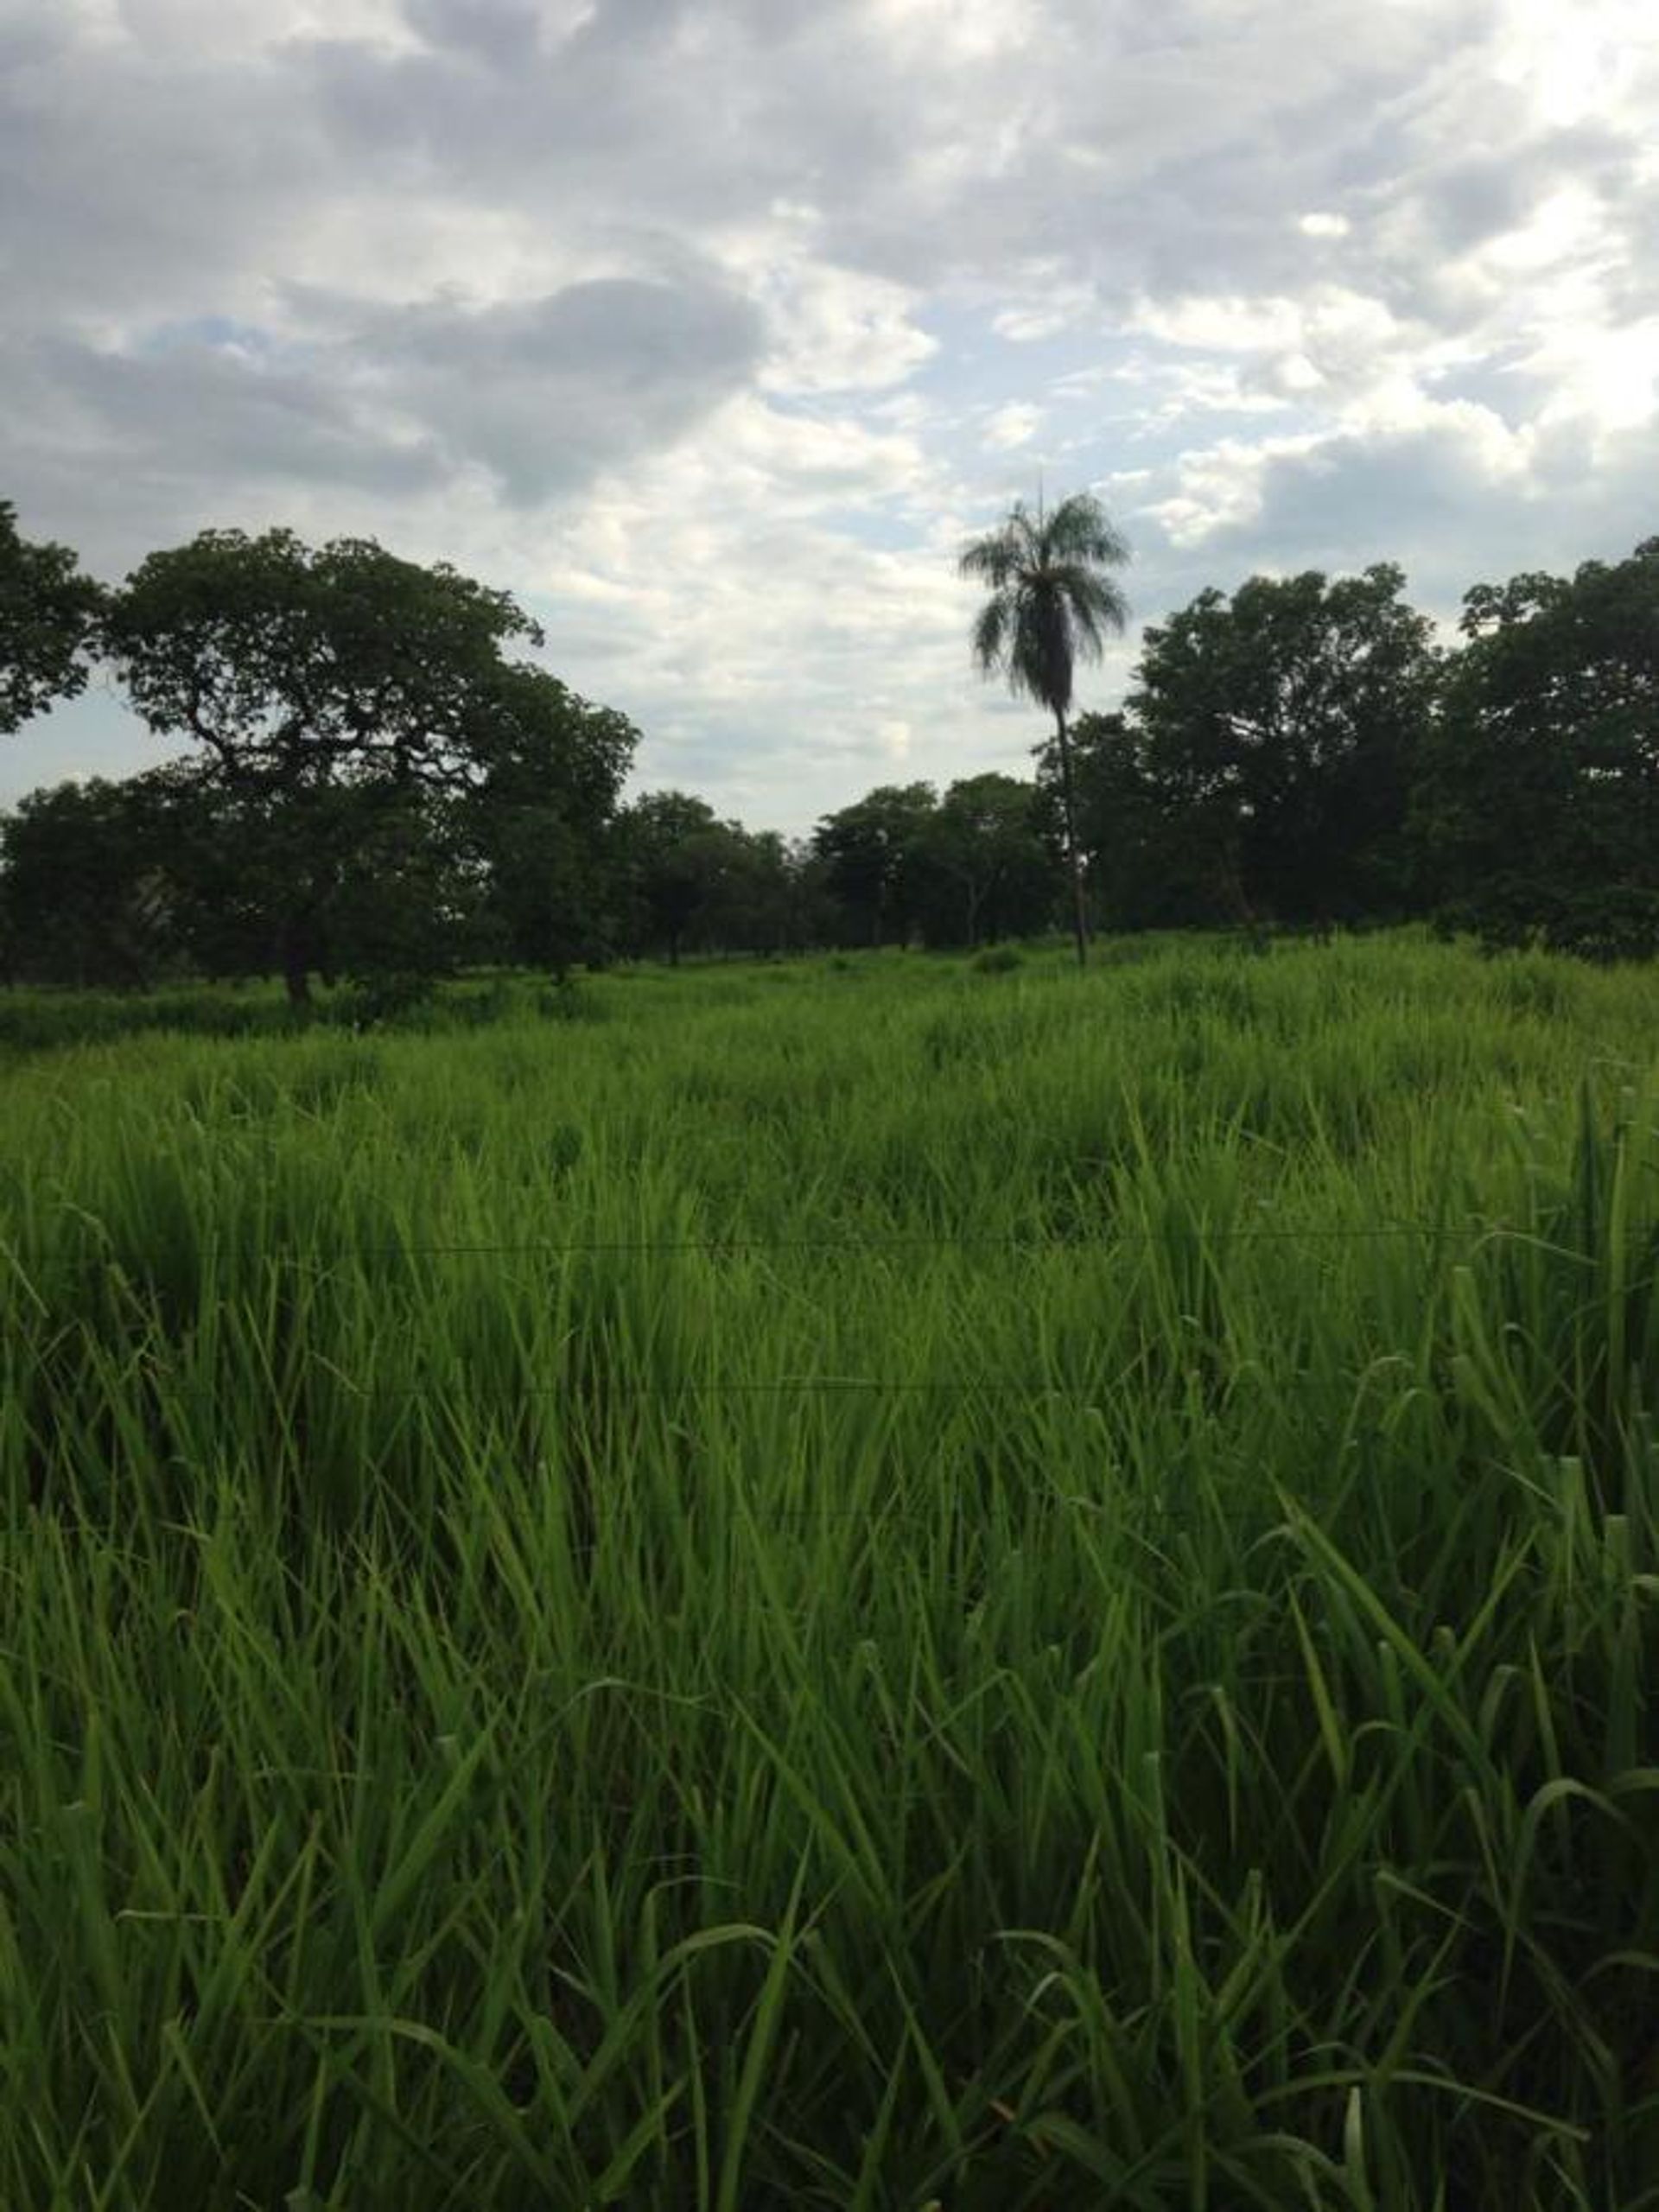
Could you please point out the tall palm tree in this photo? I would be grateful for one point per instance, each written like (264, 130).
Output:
(1052, 603)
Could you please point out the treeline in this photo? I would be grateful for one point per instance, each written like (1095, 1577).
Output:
(378, 785)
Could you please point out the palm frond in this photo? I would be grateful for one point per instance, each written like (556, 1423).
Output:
(1094, 604)
(995, 558)
(1049, 602)
(1079, 530)
(991, 631)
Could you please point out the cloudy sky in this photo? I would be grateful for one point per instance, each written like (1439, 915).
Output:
(710, 328)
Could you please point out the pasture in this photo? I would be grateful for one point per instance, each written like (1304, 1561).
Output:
(851, 1584)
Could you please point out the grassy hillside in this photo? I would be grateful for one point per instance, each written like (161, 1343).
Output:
(858, 1584)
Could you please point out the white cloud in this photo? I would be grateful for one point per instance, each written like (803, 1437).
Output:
(1011, 426)
(834, 329)
(1570, 62)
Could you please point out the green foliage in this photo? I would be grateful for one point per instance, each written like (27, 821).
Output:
(85, 896)
(1271, 745)
(904, 863)
(1051, 601)
(986, 863)
(680, 857)
(287, 663)
(541, 822)
(388, 996)
(1538, 808)
(48, 613)
(881, 1593)
(998, 960)
(869, 853)
(1152, 862)
(364, 739)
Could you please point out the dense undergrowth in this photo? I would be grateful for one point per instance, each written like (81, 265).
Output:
(869, 1584)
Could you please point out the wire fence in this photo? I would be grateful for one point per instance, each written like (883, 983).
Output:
(1204, 1234)
(949, 1385)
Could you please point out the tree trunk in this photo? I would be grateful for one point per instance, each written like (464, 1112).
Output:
(1079, 912)
(296, 968)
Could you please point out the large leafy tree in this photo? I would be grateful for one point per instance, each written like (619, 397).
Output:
(1052, 602)
(1537, 809)
(349, 703)
(47, 614)
(1278, 732)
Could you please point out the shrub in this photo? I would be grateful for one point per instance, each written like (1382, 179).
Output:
(998, 960)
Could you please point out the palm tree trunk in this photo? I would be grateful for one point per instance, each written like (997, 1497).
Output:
(1073, 859)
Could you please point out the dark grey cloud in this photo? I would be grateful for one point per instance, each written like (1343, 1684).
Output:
(499, 34)
(143, 183)
(543, 394)
(1446, 504)
(122, 451)
(208, 408)
(1139, 158)
(547, 393)
(1161, 152)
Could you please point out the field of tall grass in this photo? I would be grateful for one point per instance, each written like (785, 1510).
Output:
(862, 1584)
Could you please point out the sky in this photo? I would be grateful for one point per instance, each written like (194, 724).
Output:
(711, 329)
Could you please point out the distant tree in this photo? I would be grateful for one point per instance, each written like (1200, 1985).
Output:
(761, 908)
(694, 882)
(346, 703)
(1051, 602)
(118, 883)
(85, 898)
(871, 854)
(1146, 864)
(540, 823)
(48, 616)
(988, 871)
(1277, 732)
(678, 856)
(1536, 812)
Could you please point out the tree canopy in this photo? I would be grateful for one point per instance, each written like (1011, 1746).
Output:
(48, 614)
(1537, 809)
(350, 704)
(1280, 728)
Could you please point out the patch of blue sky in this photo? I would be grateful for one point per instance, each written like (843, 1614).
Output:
(1084, 399)
(207, 333)
(1498, 380)
(975, 362)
